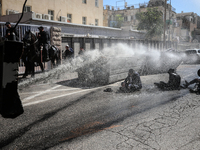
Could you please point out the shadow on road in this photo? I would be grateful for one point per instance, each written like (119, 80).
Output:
(77, 84)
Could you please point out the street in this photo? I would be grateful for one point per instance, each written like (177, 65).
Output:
(64, 115)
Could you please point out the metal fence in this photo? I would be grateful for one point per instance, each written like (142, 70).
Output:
(21, 29)
(100, 43)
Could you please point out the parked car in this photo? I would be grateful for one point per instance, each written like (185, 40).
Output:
(192, 56)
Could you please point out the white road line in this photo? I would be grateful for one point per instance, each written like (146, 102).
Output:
(43, 92)
(40, 101)
(187, 75)
(49, 90)
(52, 90)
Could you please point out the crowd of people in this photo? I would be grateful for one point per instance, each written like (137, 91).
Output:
(43, 40)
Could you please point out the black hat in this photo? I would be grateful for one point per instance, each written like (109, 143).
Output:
(131, 71)
(171, 70)
(7, 23)
(41, 27)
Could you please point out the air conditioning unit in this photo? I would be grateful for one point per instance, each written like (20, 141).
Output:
(38, 16)
(46, 16)
(9, 12)
(16, 12)
(63, 19)
(91, 24)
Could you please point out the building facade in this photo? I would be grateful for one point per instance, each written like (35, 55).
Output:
(88, 12)
(187, 23)
(128, 13)
(179, 26)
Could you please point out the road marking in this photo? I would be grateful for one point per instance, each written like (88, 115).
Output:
(52, 90)
(188, 75)
(40, 101)
(49, 90)
(43, 92)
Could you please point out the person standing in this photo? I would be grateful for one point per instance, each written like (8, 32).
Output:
(43, 38)
(11, 33)
(81, 51)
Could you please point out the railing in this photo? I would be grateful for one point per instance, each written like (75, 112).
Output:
(21, 29)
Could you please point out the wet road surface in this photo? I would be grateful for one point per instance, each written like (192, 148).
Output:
(63, 115)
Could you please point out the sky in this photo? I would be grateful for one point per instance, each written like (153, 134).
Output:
(179, 5)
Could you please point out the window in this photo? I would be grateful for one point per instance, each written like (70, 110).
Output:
(125, 18)
(96, 22)
(27, 9)
(51, 13)
(84, 20)
(84, 1)
(69, 18)
(97, 3)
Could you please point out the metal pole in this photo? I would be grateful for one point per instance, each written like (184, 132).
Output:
(164, 44)
(169, 21)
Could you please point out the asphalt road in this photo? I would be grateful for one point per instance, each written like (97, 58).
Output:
(66, 115)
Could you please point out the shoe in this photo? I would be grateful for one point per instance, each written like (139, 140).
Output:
(108, 90)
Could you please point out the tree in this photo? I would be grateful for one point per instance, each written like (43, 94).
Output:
(151, 21)
(118, 21)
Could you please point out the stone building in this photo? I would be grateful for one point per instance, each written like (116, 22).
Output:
(128, 13)
(180, 26)
(88, 12)
(187, 23)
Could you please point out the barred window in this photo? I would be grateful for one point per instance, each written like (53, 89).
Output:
(84, 1)
(69, 18)
(84, 20)
(51, 13)
(27, 9)
(96, 22)
(97, 3)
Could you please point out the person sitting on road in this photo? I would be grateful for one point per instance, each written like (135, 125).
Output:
(173, 83)
(196, 88)
(132, 82)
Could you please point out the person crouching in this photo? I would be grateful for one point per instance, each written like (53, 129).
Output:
(132, 82)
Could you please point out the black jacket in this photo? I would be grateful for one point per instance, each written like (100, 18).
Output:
(43, 38)
(174, 80)
(133, 79)
(68, 54)
(11, 31)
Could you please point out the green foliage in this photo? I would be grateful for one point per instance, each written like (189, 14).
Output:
(151, 21)
(118, 21)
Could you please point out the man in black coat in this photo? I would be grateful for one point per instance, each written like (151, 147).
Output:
(173, 83)
(132, 82)
(196, 81)
(11, 33)
(43, 38)
(69, 53)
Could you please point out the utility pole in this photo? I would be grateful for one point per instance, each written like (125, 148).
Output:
(169, 21)
(164, 42)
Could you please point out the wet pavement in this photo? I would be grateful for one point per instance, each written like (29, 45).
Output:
(67, 115)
